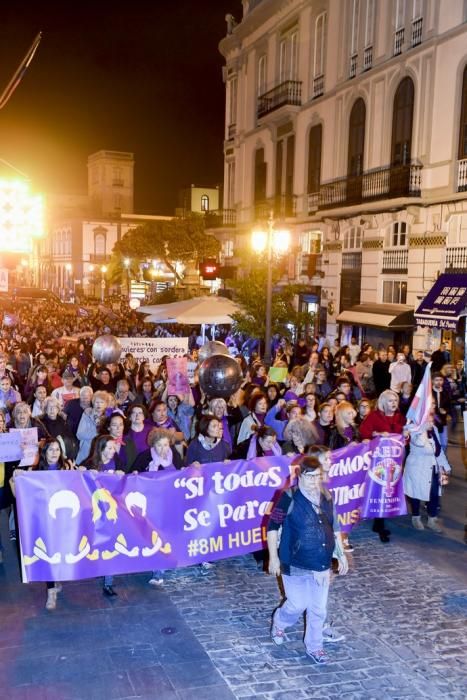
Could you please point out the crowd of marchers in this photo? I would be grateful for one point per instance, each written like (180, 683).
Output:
(121, 417)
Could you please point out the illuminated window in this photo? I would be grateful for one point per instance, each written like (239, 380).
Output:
(394, 292)
(204, 202)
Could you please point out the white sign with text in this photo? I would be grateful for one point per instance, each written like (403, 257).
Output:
(152, 350)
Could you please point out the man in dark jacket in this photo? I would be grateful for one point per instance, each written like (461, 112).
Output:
(75, 407)
(309, 540)
(418, 369)
(381, 376)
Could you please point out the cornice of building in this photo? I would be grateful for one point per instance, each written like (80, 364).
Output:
(254, 19)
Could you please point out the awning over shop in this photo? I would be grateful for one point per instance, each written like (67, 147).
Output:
(445, 303)
(378, 315)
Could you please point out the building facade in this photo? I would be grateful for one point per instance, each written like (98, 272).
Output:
(349, 121)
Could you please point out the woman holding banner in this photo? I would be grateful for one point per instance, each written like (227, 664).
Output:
(383, 420)
(51, 458)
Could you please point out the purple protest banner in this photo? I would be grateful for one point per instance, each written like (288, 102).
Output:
(76, 525)
(365, 480)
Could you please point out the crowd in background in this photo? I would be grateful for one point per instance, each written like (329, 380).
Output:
(122, 417)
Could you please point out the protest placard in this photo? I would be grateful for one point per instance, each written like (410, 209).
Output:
(152, 350)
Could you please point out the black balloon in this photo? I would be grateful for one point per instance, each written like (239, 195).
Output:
(220, 375)
(212, 347)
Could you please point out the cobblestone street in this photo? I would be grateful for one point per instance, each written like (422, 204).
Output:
(403, 609)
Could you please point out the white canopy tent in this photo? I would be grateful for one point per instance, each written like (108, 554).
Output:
(199, 311)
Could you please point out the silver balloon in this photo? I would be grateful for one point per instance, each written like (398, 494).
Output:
(106, 349)
(212, 347)
(220, 376)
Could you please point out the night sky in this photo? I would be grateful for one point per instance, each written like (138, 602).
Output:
(141, 76)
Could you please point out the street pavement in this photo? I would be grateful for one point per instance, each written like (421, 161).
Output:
(402, 607)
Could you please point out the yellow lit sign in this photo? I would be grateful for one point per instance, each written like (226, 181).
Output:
(21, 217)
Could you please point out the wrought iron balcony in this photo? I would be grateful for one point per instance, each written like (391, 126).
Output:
(99, 259)
(367, 58)
(398, 41)
(287, 93)
(456, 259)
(381, 183)
(395, 261)
(282, 206)
(117, 182)
(353, 65)
(462, 175)
(318, 86)
(220, 218)
(352, 261)
(417, 28)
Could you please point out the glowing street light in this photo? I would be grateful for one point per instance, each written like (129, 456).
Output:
(103, 271)
(273, 241)
(21, 217)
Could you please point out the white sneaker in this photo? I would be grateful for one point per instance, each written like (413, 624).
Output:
(207, 565)
(433, 524)
(330, 636)
(58, 587)
(277, 635)
(417, 522)
(156, 581)
(51, 602)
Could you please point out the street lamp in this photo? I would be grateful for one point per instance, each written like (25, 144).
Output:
(103, 271)
(126, 264)
(273, 241)
(68, 268)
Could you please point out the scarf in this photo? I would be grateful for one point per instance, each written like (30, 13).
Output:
(253, 449)
(158, 462)
(207, 445)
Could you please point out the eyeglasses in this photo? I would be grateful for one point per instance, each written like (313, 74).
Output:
(311, 475)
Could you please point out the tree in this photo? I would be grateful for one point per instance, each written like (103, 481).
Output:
(169, 240)
(250, 294)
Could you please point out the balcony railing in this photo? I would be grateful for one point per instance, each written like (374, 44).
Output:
(462, 175)
(456, 259)
(417, 27)
(282, 205)
(353, 65)
(118, 182)
(318, 86)
(351, 261)
(395, 261)
(367, 58)
(398, 41)
(287, 93)
(231, 131)
(98, 259)
(218, 218)
(382, 183)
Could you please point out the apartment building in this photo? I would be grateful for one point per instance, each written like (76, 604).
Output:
(348, 119)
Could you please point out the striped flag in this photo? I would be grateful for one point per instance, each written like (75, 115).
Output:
(20, 71)
(422, 402)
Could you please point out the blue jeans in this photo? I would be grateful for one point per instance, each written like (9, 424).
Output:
(108, 580)
(304, 592)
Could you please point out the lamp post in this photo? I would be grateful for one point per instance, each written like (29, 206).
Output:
(103, 271)
(68, 268)
(271, 241)
(126, 264)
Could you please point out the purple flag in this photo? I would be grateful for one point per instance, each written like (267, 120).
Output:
(422, 402)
